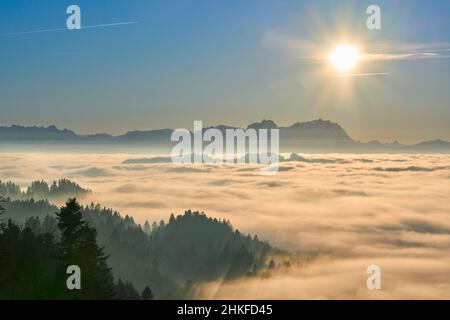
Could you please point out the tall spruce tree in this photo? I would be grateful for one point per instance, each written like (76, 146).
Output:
(79, 247)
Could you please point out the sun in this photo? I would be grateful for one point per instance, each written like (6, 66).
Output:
(344, 57)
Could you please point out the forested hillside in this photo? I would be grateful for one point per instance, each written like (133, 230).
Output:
(39, 190)
(170, 257)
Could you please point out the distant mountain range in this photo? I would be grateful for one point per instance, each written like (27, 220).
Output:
(311, 136)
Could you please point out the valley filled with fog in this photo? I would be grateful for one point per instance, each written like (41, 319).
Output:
(342, 212)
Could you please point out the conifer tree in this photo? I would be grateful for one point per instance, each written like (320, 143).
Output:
(79, 247)
(147, 294)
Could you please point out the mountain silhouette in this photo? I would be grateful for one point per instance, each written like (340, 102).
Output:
(310, 136)
(265, 124)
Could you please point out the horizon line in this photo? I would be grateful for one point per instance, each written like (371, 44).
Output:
(394, 141)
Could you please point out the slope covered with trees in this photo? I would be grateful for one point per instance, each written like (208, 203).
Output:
(165, 260)
(33, 262)
(39, 190)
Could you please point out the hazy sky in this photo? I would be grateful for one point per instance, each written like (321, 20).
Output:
(230, 62)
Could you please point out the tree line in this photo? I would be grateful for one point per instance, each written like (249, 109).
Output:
(39, 189)
(165, 259)
(33, 264)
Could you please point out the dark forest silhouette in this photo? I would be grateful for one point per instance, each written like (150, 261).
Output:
(39, 190)
(33, 264)
(163, 260)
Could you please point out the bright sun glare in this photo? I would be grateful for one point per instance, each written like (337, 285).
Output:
(344, 57)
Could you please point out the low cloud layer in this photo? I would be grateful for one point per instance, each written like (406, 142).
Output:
(348, 210)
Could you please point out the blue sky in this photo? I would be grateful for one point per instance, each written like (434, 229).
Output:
(230, 62)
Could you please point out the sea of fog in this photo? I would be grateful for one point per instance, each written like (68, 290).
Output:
(347, 211)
